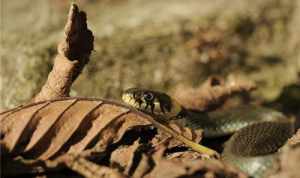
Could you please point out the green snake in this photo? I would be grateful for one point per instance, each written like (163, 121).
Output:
(258, 132)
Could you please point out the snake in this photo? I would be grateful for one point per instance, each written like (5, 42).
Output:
(257, 132)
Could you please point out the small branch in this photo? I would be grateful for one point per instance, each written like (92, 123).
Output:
(73, 54)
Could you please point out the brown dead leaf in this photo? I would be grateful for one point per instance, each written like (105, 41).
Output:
(180, 164)
(189, 164)
(295, 139)
(144, 166)
(177, 168)
(123, 157)
(131, 160)
(9, 166)
(48, 130)
(89, 169)
(185, 155)
(163, 138)
(288, 163)
(213, 92)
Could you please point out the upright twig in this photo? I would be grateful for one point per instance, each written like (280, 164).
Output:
(73, 53)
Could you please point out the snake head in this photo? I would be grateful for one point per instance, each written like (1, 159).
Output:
(162, 104)
(152, 101)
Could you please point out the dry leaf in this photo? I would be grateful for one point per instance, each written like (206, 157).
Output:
(144, 166)
(295, 139)
(48, 129)
(193, 168)
(185, 155)
(212, 93)
(162, 137)
(51, 129)
(288, 164)
(131, 160)
(89, 169)
(123, 157)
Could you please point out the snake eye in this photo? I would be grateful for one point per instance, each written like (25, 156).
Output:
(148, 96)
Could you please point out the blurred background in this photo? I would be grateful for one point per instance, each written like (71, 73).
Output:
(154, 44)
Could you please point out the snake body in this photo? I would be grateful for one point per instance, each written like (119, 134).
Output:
(258, 132)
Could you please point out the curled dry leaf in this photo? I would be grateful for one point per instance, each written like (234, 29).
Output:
(213, 92)
(145, 165)
(123, 157)
(131, 160)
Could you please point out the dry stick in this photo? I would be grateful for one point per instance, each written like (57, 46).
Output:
(73, 53)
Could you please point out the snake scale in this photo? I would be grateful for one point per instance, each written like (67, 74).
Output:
(258, 132)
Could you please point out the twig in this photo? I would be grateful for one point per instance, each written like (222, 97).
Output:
(73, 54)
